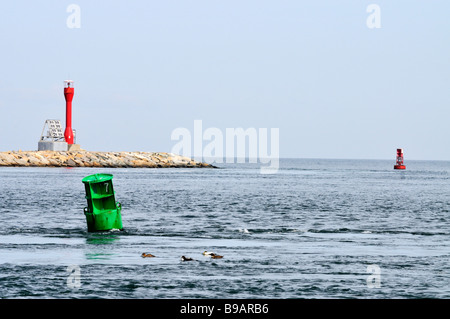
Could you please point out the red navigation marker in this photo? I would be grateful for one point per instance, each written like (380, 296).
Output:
(68, 95)
(399, 164)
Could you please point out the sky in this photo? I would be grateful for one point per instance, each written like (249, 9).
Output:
(334, 87)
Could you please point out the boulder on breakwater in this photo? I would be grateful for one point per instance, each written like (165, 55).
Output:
(83, 158)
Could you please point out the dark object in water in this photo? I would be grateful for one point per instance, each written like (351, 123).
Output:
(186, 258)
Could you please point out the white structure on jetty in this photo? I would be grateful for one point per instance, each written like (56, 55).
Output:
(53, 138)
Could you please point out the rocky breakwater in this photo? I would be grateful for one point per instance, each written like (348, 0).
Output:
(96, 159)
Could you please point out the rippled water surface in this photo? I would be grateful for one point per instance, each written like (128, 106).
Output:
(309, 231)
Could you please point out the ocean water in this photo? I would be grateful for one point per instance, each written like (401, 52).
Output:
(316, 229)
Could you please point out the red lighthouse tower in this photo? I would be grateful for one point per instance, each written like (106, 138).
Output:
(399, 163)
(68, 94)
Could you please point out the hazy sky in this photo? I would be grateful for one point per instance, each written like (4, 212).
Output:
(334, 87)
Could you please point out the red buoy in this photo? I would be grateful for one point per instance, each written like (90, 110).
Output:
(399, 164)
(68, 94)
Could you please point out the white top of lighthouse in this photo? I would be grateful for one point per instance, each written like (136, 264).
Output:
(68, 84)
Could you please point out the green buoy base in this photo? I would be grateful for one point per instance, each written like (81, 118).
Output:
(104, 220)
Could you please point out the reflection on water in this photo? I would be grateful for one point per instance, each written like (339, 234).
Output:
(100, 245)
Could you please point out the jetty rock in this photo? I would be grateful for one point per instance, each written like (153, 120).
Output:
(82, 158)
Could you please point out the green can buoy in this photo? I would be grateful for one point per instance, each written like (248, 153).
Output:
(103, 212)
